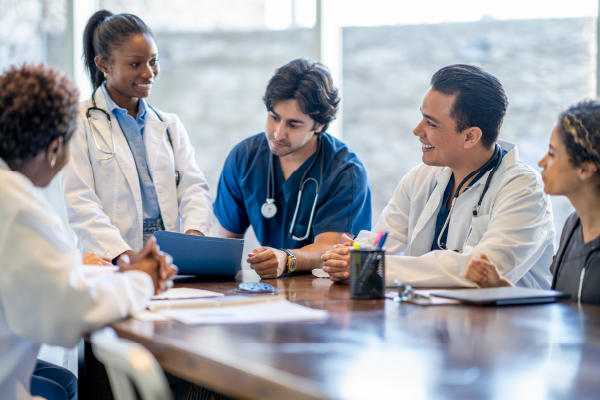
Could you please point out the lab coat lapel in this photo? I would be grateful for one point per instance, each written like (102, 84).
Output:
(154, 133)
(429, 214)
(123, 154)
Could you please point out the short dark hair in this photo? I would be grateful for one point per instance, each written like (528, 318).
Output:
(310, 84)
(480, 99)
(37, 105)
(103, 33)
(579, 130)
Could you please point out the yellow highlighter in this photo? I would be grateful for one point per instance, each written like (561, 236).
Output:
(356, 246)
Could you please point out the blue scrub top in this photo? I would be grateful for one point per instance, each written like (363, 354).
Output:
(344, 203)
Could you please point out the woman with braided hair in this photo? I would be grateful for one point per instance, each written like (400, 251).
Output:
(571, 168)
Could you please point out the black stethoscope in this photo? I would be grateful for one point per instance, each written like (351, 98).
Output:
(112, 153)
(269, 209)
(497, 157)
(586, 264)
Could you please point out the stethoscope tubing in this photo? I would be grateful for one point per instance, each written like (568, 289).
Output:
(498, 157)
(320, 153)
(561, 256)
(113, 152)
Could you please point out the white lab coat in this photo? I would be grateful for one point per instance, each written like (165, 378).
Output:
(103, 197)
(44, 295)
(514, 228)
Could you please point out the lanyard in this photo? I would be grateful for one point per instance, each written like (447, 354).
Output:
(498, 157)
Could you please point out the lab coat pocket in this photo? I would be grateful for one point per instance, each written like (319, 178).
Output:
(479, 225)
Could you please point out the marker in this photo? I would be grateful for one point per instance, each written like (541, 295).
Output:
(356, 246)
(378, 238)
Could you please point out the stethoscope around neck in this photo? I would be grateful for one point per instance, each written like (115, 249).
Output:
(497, 157)
(269, 209)
(561, 256)
(110, 154)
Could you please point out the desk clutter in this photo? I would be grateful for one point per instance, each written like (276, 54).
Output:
(197, 307)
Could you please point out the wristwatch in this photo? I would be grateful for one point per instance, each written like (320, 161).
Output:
(290, 266)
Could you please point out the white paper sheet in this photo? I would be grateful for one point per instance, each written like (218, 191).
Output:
(278, 311)
(185, 293)
(224, 301)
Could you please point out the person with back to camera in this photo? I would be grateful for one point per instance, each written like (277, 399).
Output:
(132, 169)
(472, 193)
(45, 296)
(570, 168)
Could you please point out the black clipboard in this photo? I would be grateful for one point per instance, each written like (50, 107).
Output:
(202, 255)
(502, 296)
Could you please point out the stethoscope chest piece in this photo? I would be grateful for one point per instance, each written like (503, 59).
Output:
(269, 209)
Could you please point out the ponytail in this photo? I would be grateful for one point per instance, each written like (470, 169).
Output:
(89, 52)
(103, 33)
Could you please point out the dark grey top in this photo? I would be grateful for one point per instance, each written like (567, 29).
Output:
(576, 254)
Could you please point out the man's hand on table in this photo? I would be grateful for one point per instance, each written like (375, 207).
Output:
(336, 262)
(267, 262)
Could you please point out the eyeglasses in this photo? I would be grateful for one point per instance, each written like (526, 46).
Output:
(408, 294)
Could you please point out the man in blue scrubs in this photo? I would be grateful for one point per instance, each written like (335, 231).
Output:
(262, 176)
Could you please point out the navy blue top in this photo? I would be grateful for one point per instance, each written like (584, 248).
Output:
(344, 203)
(133, 129)
(443, 213)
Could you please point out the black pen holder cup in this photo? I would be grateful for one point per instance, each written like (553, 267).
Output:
(367, 274)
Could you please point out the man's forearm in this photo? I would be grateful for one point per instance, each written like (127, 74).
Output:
(309, 257)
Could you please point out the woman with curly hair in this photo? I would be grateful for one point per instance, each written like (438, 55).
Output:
(45, 296)
(570, 169)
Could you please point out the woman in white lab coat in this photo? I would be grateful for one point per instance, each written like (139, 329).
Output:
(132, 169)
(44, 295)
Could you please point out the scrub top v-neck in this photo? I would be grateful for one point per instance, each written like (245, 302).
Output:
(344, 203)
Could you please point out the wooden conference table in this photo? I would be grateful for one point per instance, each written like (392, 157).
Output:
(380, 349)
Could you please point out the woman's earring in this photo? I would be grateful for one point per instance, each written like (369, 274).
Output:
(105, 74)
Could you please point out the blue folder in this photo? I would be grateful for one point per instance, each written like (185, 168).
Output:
(202, 255)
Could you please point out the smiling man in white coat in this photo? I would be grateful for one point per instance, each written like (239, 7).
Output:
(472, 193)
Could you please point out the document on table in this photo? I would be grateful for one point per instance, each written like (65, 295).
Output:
(275, 311)
(185, 293)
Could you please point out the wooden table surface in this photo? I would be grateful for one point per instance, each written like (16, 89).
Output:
(379, 349)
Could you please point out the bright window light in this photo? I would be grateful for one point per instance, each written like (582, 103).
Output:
(394, 12)
(306, 13)
(278, 14)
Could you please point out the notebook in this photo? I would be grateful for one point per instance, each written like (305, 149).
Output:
(202, 255)
(502, 296)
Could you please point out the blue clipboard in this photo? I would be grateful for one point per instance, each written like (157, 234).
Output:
(202, 255)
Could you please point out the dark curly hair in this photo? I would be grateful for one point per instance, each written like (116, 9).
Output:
(579, 130)
(103, 33)
(37, 105)
(310, 84)
(480, 99)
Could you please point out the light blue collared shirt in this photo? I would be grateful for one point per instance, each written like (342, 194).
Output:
(133, 129)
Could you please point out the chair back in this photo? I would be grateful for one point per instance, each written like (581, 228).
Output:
(127, 364)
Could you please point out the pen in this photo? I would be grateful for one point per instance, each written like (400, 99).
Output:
(382, 241)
